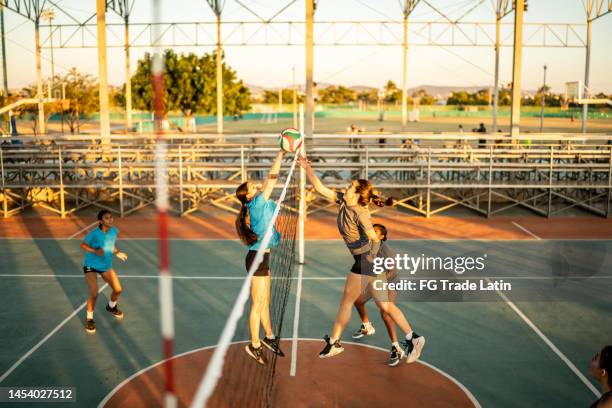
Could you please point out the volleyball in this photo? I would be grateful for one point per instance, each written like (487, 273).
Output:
(290, 140)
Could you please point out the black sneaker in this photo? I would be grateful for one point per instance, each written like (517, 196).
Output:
(396, 356)
(273, 345)
(330, 349)
(256, 353)
(414, 348)
(90, 326)
(364, 330)
(115, 311)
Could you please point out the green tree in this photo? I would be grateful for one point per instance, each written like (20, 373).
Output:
(424, 97)
(272, 96)
(340, 95)
(370, 96)
(392, 92)
(81, 100)
(458, 98)
(81, 97)
(190, 85)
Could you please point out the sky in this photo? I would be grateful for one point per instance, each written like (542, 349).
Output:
(366, 65)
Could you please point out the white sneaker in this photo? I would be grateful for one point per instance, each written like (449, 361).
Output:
(366, 329)
(414, 348)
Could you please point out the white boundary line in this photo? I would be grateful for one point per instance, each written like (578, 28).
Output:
(519, 226)
(84, 229)
(550, 344)
(41, 342)
(139, 372)
(296, 321)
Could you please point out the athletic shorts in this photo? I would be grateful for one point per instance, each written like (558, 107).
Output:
(264, 267)
(90, 269)
(361, 266)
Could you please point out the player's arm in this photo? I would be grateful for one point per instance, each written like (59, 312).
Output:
(270, 182)
(366, 223)
(316, 182)
(86, 247)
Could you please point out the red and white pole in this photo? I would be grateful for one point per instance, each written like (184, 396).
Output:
(161, 201)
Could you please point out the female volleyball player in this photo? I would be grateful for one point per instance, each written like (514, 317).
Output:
(367, 329)
(356, 228)
(100, 247)
(251, 224)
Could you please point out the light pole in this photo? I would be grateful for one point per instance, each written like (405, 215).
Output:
(543, 96)
(48, 14)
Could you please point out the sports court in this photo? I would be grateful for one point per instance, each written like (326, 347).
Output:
(494, 351)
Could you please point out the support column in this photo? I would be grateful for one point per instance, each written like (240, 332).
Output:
(128, 82)
(219, 78)
(103, 72)
(496, 85)
(4, 71)
(517, 60)
(587, 68)
(404, 69)
(39, 84)
(295, 118)
(309, 119)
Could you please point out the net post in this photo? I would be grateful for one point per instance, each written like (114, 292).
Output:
(302, 203)
(166, 300)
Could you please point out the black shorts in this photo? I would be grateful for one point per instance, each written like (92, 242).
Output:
(264, 267)
(90, 269)
(361, 266)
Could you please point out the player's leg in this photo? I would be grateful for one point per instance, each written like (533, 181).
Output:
(270, 340)
(112, 279)
(258, 301)
(414, 343)
(92, 284)
(352, 291)
(366, 328)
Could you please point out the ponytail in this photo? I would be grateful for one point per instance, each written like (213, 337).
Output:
(381, 202)
(245, 233)
(365, 190)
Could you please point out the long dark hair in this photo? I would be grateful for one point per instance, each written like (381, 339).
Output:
(365, 190)
(245, 233)
(383, 231)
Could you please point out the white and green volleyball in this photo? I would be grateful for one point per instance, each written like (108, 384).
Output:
(290, 140)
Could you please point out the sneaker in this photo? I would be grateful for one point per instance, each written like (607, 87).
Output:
(256, 353)
(364, 330)
(115, 311)
(90, 326)
(273, 345)
(330, 350)
(414, 348)
(396, 355)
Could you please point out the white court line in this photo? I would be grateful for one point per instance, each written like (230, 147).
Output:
(517, 225)
(296, 322)
(550, 344)
(84, 229)
(51, 333)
